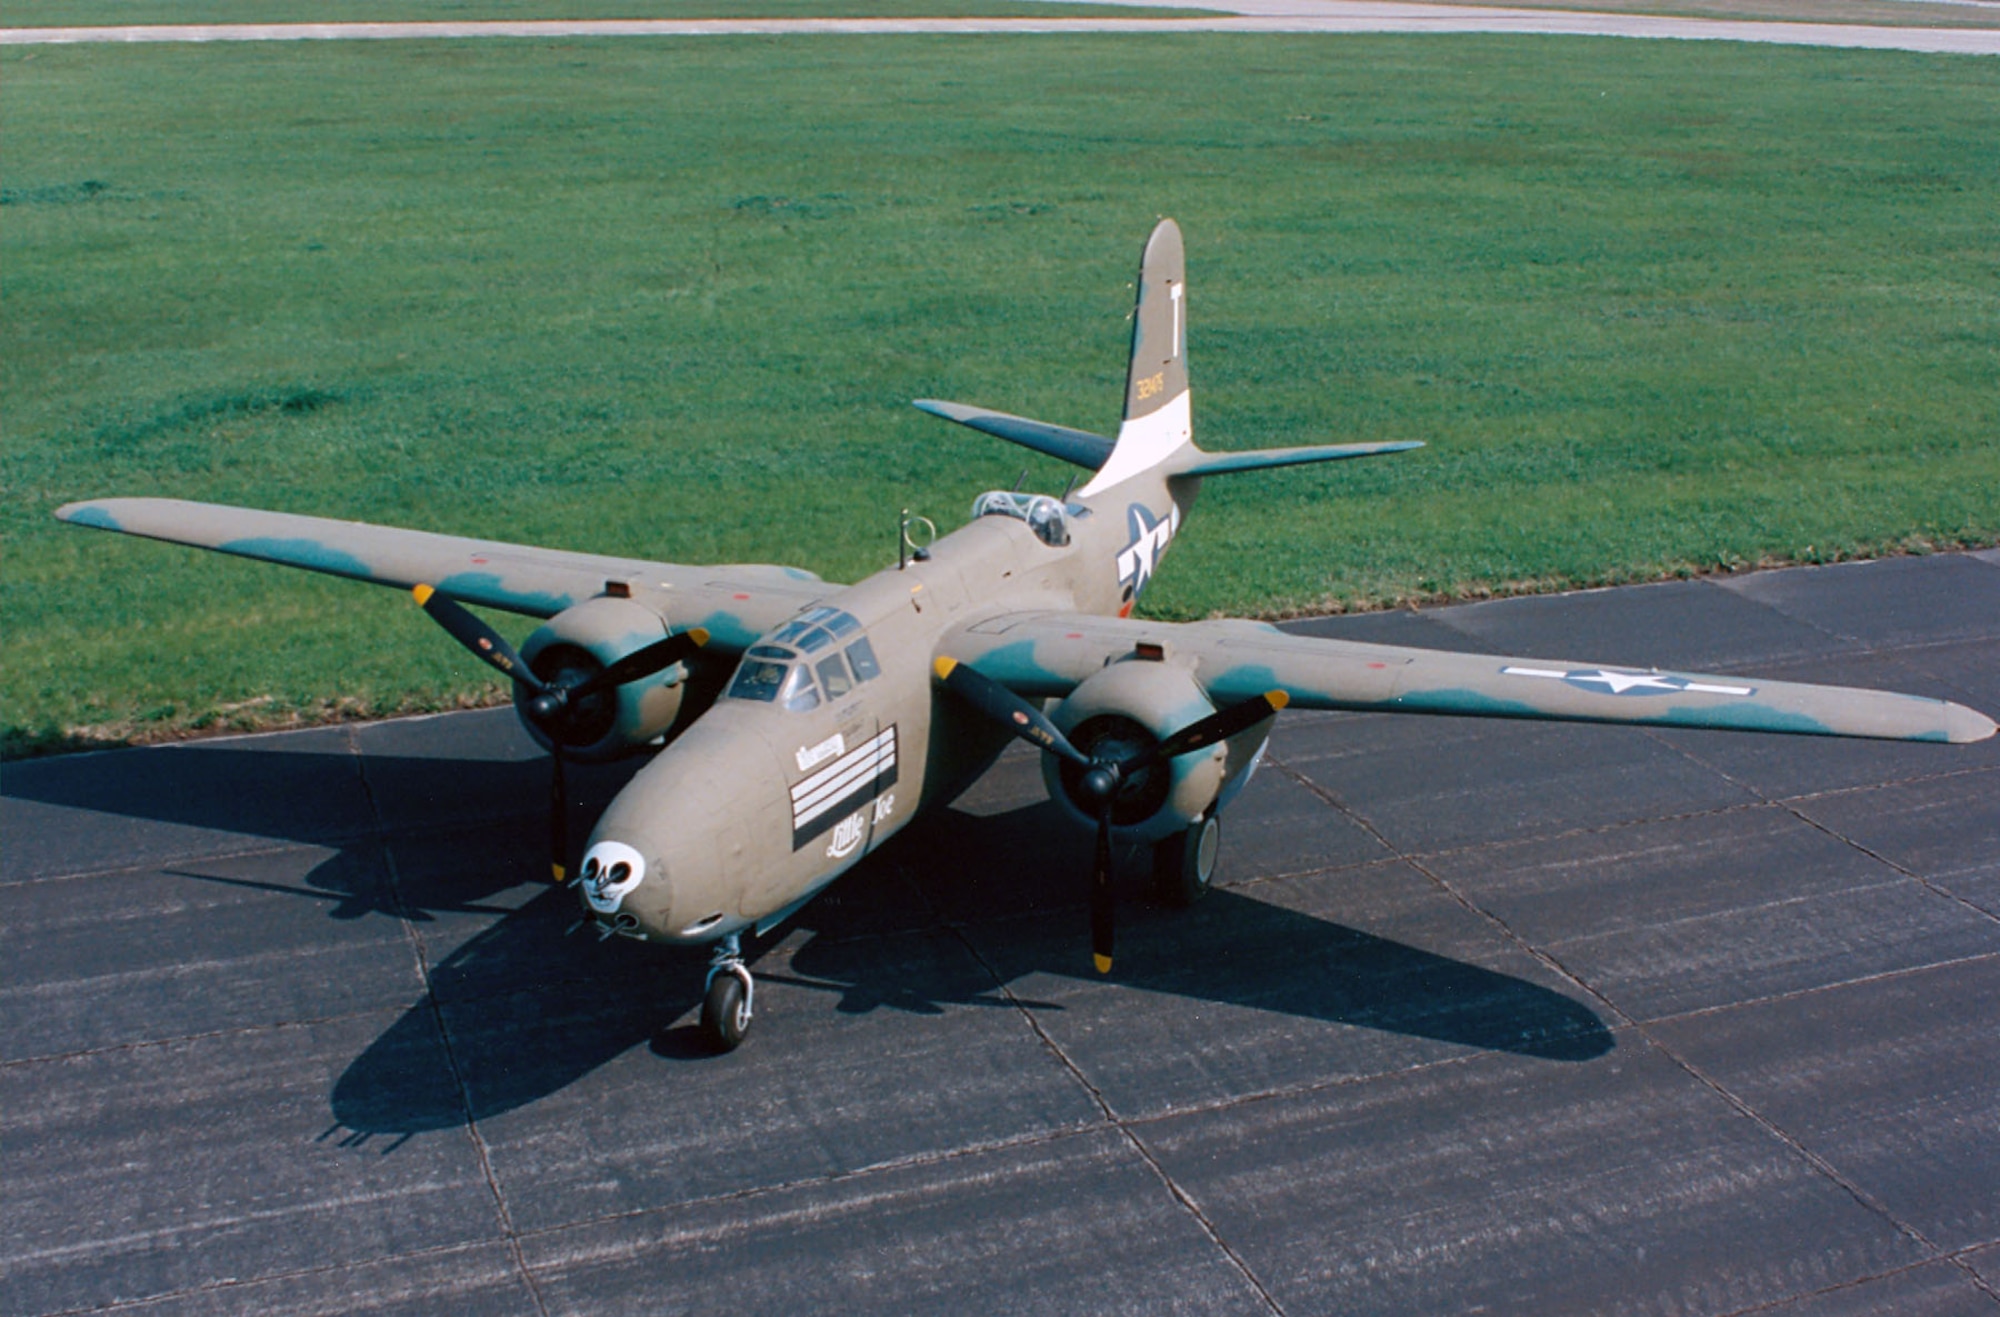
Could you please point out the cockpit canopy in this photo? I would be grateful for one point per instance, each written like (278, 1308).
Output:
(1047, 517)
(820, 654)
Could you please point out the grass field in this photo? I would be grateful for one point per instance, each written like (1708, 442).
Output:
(98, 13)
(1657, 308)
(103, 13)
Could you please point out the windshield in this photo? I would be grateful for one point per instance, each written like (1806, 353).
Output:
(777, 673)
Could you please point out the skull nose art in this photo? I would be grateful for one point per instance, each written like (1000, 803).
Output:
(611, 869)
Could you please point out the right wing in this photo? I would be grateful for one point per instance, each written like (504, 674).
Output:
(736, 604)
(1047, 654)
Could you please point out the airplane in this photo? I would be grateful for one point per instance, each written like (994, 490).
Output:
(796, 724)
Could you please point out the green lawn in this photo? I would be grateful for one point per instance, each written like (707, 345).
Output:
(114, 13)
(1657, 307)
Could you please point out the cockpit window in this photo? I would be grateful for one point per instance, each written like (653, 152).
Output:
(833, 677)
(1045, 516)
(816, 628)
(781, 668)
(758, 679)
(862, 655)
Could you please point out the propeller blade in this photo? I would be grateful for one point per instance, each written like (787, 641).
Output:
(558, 815)
(1006, 708)
(483, 641)
(1221, 725)
(656, 657)
(1103, 900)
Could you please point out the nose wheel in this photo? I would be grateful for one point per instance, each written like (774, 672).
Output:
(726, 1002)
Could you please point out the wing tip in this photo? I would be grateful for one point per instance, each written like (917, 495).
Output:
(88, 512)
(1962, 726)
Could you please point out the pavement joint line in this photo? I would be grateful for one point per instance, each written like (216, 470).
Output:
(1843, 1287)
(1777, 903)
(913, 1161)
(175, 1040)
(241, 1282)
(1306, 1088)
(474, 1136)
(1813, 1160)
(1796, 994)
(1180, 1196)
(1539, 954)
(1791, 805)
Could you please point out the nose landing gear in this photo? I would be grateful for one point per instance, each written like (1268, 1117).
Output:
(726, 1001)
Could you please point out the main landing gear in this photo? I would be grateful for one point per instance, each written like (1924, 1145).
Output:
(726, 1003)
(1184, 865)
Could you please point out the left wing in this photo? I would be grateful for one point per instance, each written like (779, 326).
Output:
(1047, 654)
(735, 604)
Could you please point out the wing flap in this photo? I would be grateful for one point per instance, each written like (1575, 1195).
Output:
(736, 604)
(1047, 654)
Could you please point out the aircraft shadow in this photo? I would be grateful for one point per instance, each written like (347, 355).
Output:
(315, 798)
(530, 1011)
(525, 1006)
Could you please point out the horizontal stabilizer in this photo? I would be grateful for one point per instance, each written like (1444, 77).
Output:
(1080, 447)
(1198, 463)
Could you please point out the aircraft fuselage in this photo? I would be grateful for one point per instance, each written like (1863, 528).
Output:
(783, 785)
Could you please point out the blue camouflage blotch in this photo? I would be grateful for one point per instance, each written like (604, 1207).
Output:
(1747, 718)
(489, 588)
(1473, 703)
(310, 554)
(727, 631)
(89, 514)
(1016, 667)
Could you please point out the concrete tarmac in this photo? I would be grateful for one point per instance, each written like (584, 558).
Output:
(1487, 1016)
(1265, 16)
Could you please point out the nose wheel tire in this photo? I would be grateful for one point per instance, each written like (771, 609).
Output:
(726, 1005)
(1184, 865)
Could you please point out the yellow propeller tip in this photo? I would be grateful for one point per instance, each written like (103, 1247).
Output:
(562, 874)
(699, 635)
(423, 594)
(1278, 699)
(943, 668)
(1103, 963)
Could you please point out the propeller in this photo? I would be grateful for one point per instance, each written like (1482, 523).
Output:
(1103, 775)
(550, 702)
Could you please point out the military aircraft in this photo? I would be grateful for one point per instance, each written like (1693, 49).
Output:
(799, 724)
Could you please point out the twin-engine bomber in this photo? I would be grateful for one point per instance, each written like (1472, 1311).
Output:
(802, 723)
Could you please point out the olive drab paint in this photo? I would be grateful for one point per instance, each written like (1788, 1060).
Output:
(815, 722)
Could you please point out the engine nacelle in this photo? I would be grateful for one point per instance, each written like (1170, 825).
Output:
(1130, 707)
(580, 642)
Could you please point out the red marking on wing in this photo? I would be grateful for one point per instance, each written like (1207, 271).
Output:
(739, 596)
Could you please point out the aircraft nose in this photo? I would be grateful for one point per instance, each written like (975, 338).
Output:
(611, 869)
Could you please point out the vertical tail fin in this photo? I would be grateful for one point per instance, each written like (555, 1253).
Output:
(1157, 420)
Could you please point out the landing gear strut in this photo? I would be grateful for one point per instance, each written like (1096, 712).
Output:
(726, 1001)
(1184, 865)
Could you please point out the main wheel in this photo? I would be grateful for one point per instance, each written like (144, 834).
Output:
(1184, 866)
(725, 1012)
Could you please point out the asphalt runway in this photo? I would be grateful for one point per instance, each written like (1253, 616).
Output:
(1489, 1016)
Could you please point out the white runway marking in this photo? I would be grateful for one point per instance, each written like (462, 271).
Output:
(1269, 16)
